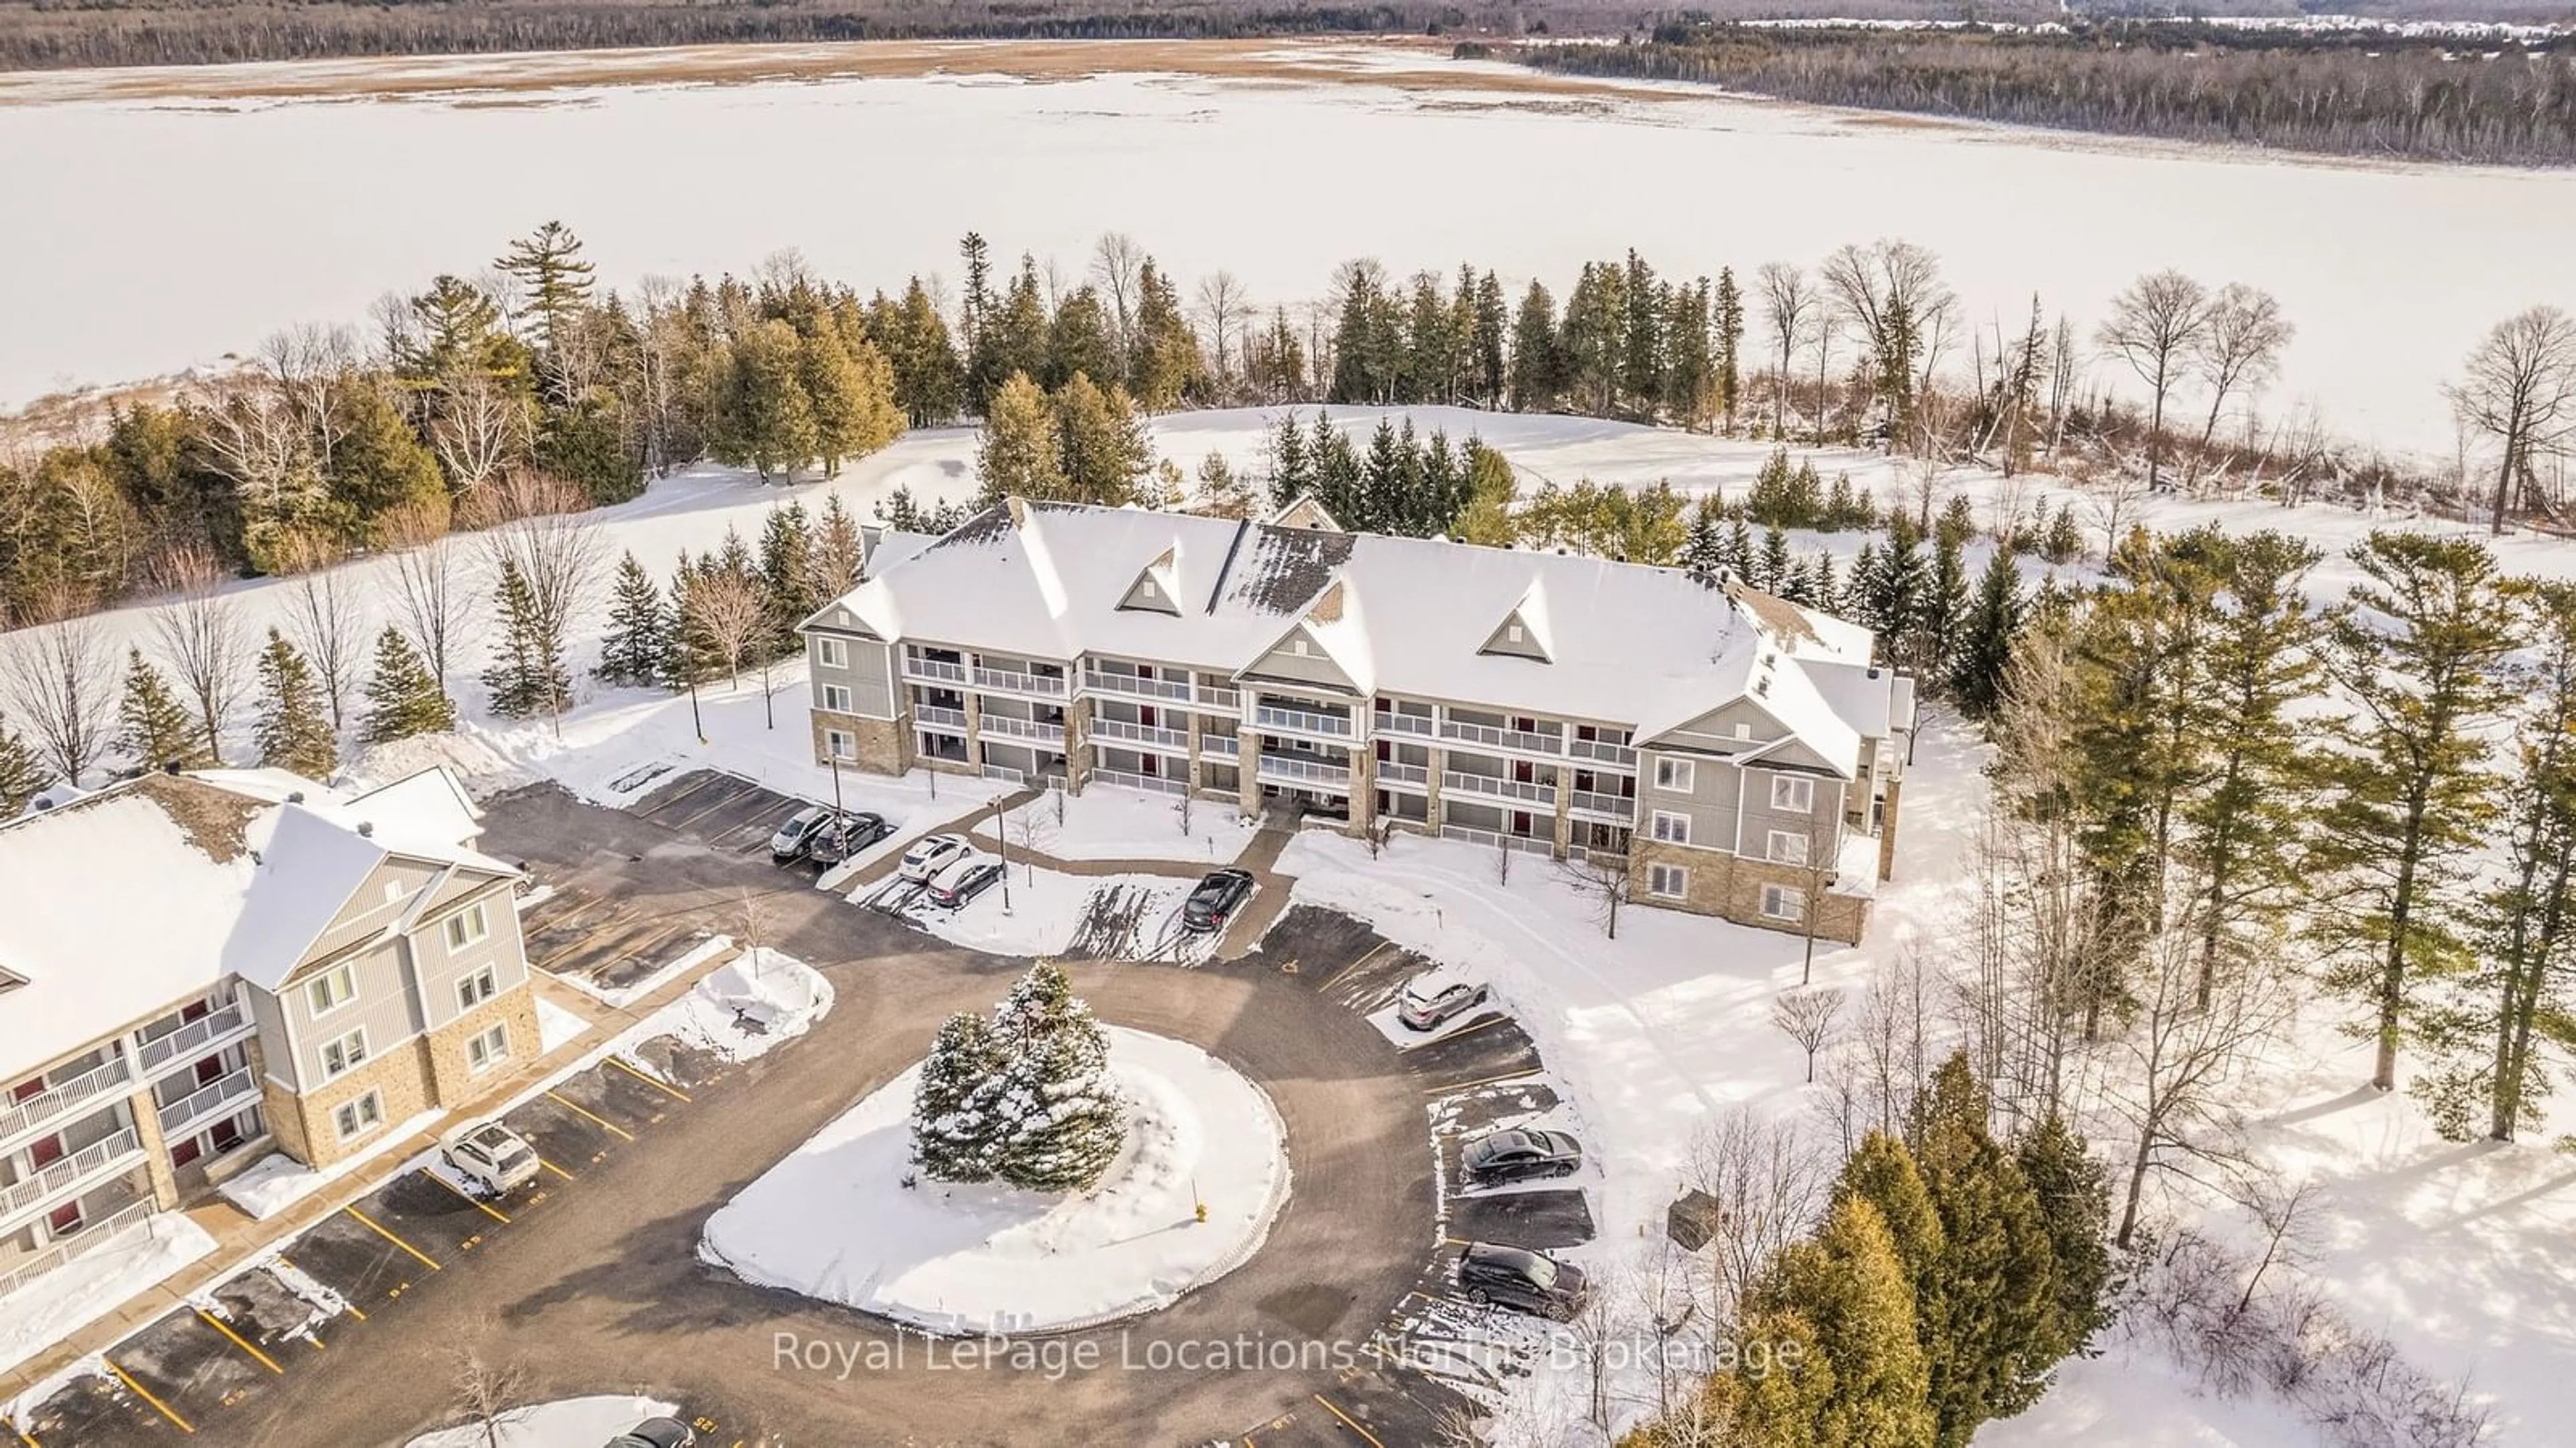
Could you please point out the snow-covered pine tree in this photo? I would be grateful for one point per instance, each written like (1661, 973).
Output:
(2064, 541)
(1739, 548)
(639, 630)
(22, 778)
(1704, 547)
(1061, 1123)
(403, 697)
(787, 577)
(1986, 638)
(1771, 569)
(294, 732)
(953, 1131)
(153, 727)
(527, 676)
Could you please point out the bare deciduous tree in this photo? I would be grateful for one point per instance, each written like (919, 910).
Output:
(2238, 351)
(1602, 879)
(61, 681)
(325, 622)
(1117, 264)
(2154, 326)
(2520, 387)
(1764, 1182)
(724, 615)
(477, 430)
(200, 637)
(490, 1396)
(1890, 295)
(1790, 306)
(1807, 1017)
(431, 604)
(1224, 312)
(539, 525)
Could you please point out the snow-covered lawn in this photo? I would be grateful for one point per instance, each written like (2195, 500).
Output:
(746, 1007)
(566, 1423)
(845, 1220)
(1111, 822)
(1048, 912)
(78, 1293)
(278, 1181)
(557, 1027)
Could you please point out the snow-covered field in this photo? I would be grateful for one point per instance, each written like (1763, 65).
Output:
(2421, 261)
(69, 1298)
(844, 1219)
(1130, 824)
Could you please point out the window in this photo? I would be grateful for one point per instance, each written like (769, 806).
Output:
(836, 697)
(467, 926)
(1297, 646)
(357, 1118)
(1672, 829)
(1674, 774)
(1779, 902)
(1743, 730)
(1513, 633)
(342, 1056)
(839, 744)
(330, 990)
(832, 653)
(475, 989)
(1787, 847)
(393, 891)
(1668, 882)
(487, 1049)
(1792, 794)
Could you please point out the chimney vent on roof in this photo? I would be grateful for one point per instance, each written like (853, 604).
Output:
(1873, 671)
(366, 829)
(295, 796)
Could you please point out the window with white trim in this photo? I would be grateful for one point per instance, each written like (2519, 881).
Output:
(1513, 633)
(1667, 882)
(357, 1118)
(1780, 902)
(1787, 847)
(1672, 829)
(331, 990)
(487, 1049)
(467, 926)
(477, 988)
(831, 653)
(839, 744)
(342, 1056)
(836, 697)
(1676, 775)
(1793, 794)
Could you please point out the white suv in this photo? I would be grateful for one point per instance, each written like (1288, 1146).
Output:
(490, 1155)
(933, 855)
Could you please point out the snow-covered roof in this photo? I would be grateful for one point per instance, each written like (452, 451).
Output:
(121, 904)
(1645, 648)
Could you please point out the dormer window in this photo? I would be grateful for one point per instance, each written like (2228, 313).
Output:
(1297, 646)
(1513, 633)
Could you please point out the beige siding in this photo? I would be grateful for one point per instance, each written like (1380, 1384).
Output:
(439, 969)
(383, 1006)
(380, 902)
(276, 1047)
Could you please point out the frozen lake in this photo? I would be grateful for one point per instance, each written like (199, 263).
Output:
(149, 232)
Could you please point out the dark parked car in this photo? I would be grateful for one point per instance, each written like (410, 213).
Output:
(845, 837)
(1216, 899)
(1519, 1156)
(656, 1433)
(797, 833)
(1531, 1282)
(964, 880)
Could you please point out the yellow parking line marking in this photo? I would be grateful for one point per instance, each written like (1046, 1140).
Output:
(1348, 1421)
(23, 1436)
(1339, 975)
(219, 1325)
(1519, 1075)
(602, 1123)
(344, 1302)
(650, 1080)
(550, 1166)
(485, 1207)
(145, 1394)
(372, 1225)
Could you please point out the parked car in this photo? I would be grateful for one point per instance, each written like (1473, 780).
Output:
(846, 836)
(929, 856)
(963, 880)
(1439, 996)
(1524, 1281)
(1216, 899)
(656, 1433)
(1519, 1156)
(797, 834)
(490, 1155)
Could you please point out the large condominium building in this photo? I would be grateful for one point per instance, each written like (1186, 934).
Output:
(1738, 755)
(196, 967)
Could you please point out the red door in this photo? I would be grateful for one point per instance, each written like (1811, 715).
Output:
(32, 1086)
(45, 1150)
(66, 1219)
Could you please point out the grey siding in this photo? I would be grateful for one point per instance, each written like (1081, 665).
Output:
(1709, 804)
(276, 1049)
(439, 969)
(868, 675)
(383, 1006)
(1313, 667)
(371, 909)
(1760, 818)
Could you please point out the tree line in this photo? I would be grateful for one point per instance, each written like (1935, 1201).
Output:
(2377, 94)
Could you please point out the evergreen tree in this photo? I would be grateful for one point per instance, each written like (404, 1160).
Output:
(1644, 305)
(403, 697)
(929, 382)
(1896, 597)
(1937, 625)
(787, 577)
(763, 419)
(153, 727)
(1882, 1173)
(2063, 543)
(1222, 493)
(294, 730)
(1013, 342)
(1488, 330)
(1957, 523)
(526, 677)
(1739, 554)
(1985, 649)
(1337, 470)
(1292, 471)
(22, 776)
(955, 1135)
(1103, 454)
(850, 389)
(377, 465)
(1704, 551)
(1771, 569)
(1537, 373)
(1016, 455)
(1848, 1284)
(1166, 364)
(584, 441)
(1727, 319)
(553, 278)
(1060, 1121)
(1381, 494)
(1081, 340)
(1592, 337)
(2075, 1210)
(1989, 1320)
(639, 631)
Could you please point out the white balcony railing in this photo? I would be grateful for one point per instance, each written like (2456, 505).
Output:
(1494, 787)
(17, 1272)
(1174, 740)
(1304, 771)
(1004, 724)
(221, 1097)
(67, 1097)
(191, 1039)
(1220, 746)
(1391, 722)
(1006, 774)
(1391, 772)
(1617, 806)
(1303, 721)
(1141, 688)
(1487, 734)
(1229, 700)
(1495, 840)
(1011, 682)
(916, 667)
(939, 716)
(1159, 783)
(59, 1178)
(1603, 750)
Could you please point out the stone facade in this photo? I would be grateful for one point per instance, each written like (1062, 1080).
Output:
(303, 1125)
(451, 1072)
(880, 746)
(1730, 888)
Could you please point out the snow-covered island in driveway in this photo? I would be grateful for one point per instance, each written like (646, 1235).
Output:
(847, 1219)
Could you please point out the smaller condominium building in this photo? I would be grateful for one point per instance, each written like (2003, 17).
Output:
(1730, 753)
(195, 969)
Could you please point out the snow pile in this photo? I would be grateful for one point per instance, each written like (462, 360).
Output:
(1049, 912)
(565, 1423)
(278, 1181)
(844, 1218)
(1114, 822)
(97, 1282)
(557, 1027)
(746, 1006)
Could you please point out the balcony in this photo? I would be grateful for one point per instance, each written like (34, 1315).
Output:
(1391, 772)
(1005, 681)
(192, 1039)
(59, 1179)
(1171, 741)
(1492, 840)
(1158, 783)
(219, 1098)
(85, 1091)
(17, 1272)
(1617, 755)
(1220, 746)
(1618, 808)
(1389, 722)
(1098, 682)
(1008, 727)
(1303, 721)
(1290, 769)
(916, 667)
(1228, 700)
(1495, 787)
(1486, 734)
(936, 716)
